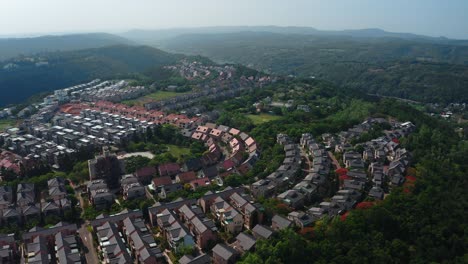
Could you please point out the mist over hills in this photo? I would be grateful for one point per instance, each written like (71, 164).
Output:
(374, 61)
(154, 36)
(12, 47)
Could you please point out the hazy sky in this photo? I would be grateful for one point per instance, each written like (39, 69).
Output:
(430, 17)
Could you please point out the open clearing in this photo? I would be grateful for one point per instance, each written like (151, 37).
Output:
(262, 118)
(7, 123)
(156, 96)
(177, 151)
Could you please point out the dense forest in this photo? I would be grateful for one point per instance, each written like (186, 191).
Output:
(426, 71)
(25, 76)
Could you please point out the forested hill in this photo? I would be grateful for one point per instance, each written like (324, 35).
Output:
(12, 47)
(23, 77)
(431, 71)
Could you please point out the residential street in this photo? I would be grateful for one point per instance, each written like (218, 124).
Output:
(87, 238)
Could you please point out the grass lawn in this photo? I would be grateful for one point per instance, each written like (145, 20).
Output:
(262, 118)
(178, 151)
(6, 123)
(156, 96)
(419, 107)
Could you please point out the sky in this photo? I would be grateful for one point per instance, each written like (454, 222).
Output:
(447, 18)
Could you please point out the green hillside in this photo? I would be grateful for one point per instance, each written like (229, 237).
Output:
(23, 77)
(419, 70)
(12, 47)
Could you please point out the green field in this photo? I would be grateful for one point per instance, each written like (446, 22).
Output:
(162, 95)
(178, 151)
(418, 106)
(156, 96)
(262, 118)
(6, 123)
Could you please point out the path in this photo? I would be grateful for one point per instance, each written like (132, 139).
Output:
(149, 196)
(334, 160)
(146, 154)
(309, 163)
(168, 259)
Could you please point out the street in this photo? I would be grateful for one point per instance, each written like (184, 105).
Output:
(87, 238)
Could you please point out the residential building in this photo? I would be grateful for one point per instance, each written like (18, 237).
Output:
(223, 254)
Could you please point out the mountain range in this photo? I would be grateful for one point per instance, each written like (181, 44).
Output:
(374, 61)
(12, 47)
(148, 36)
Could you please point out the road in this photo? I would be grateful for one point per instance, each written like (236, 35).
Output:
(87, 238)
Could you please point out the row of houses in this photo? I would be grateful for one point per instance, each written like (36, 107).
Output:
(315, 181)
(101, 197)
(342, 141)
(125, 238)
(285, 175)
(113, 128)
(138, 113)
(241, 149)
(354, 176)
(35, 150)
(193, 222)
(224, 253)
(241, 153)
(70, 133)
(73, 92)
(82, 127)
(115, 92)
(96, 90)
(56, 244)
(383, 158)
(10, 162)
(311, 186)
(220, 89)
(27, 207)
(194, 69)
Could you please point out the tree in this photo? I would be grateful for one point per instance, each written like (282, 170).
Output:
(234, 180)
(108, 168)
(134, 163)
